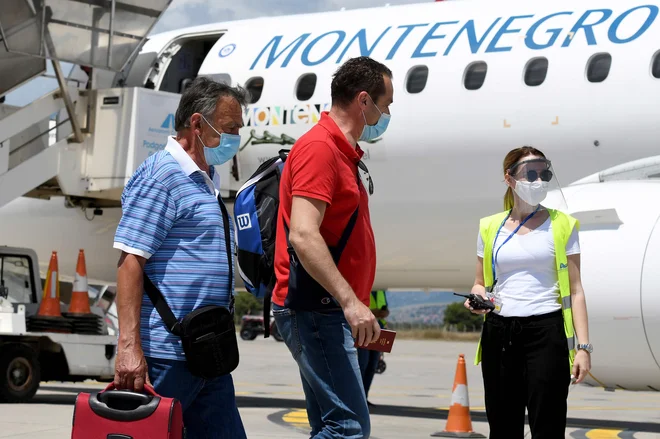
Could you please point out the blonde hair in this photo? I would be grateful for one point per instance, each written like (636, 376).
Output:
(513, 157)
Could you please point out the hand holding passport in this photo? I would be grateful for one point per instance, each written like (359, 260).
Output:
(384, 342)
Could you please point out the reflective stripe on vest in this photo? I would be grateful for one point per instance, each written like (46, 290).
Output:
(562, 226)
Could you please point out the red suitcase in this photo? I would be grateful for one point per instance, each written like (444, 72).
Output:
(120, 414)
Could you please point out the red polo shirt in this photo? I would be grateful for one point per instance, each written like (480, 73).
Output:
(323, 165)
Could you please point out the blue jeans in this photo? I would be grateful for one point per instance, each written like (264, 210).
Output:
(209, 407)
(368, 360)
(322, 345)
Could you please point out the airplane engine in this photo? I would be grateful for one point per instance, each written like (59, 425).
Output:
(620, 244)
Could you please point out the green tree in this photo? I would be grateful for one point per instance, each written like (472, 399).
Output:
(457, 314)
(246, 303)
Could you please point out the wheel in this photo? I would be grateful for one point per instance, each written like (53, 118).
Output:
(21, 374)
(248, 334)
(381, 366)
(275, 333)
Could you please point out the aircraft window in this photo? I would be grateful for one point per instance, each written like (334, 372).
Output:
(536, 71)
(417, 77)
(221, 77)
(655, 68)
(306, 86)
(475, 75)
(255, 86)
(599, 67)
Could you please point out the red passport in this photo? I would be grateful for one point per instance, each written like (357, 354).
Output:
(383, 344)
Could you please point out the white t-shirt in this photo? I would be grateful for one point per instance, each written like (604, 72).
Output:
(526, 271)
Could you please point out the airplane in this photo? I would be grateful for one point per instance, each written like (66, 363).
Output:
(473, 79)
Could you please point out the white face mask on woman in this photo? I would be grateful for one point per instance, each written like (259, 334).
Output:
(532, 193)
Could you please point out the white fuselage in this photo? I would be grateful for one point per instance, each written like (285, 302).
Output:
(438, 168)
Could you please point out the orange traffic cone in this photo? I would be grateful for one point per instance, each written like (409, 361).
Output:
(459, 423)
(49, 317)
(50, 301)
(80, 297)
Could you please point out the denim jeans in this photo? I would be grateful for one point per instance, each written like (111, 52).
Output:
(322, 345)
(368, 360)
(209, 407)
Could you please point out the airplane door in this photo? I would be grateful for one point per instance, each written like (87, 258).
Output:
(651, 293)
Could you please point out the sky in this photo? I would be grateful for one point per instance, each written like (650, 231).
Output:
(184, 13)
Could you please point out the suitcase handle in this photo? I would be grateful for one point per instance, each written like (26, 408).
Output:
(147, 388)
(123, 405)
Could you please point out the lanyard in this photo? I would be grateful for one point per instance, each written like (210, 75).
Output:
(494, 260)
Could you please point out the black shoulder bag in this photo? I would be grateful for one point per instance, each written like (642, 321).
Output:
(208, 334)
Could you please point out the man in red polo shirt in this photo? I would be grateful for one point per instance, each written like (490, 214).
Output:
(325, 254)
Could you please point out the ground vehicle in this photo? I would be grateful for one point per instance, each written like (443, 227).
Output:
(28, 357)
(381, 364)
(252, 326)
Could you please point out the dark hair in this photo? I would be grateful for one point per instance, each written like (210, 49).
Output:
(513, 157)
(202, 97)
(357, 75)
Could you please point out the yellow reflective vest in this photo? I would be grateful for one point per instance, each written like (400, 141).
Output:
(378, 301)
(562, 226)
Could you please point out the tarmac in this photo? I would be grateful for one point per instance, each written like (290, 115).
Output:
(411, 398)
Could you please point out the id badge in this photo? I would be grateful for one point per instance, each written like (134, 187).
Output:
(497, 301)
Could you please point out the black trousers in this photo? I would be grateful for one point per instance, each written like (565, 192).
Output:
(525, 364)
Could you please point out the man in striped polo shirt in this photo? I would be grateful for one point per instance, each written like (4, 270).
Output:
(172, 228)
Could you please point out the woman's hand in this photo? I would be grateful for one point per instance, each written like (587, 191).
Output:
(476, 311)
(581, 365)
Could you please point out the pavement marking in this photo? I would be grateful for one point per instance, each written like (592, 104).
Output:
(597, 433)
(297, 418)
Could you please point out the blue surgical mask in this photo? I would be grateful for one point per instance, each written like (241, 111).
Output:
(371, 132)
(226, 149)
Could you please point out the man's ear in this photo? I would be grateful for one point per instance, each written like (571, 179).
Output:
(363, 100)
(196, 123)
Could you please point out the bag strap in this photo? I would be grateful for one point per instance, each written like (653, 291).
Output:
(157, 298)
(230, 259)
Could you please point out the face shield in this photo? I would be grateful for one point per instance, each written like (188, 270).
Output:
(537, 183)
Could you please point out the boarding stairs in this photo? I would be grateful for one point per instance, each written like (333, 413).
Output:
(76, 141)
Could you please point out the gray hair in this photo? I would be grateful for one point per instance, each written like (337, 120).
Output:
(202, 97)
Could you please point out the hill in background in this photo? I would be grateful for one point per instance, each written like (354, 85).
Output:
(419, 307)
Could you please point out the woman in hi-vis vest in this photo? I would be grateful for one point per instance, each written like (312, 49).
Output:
(528, 266)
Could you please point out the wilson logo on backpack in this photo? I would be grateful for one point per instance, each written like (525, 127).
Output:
(255, 211)
(243, 221)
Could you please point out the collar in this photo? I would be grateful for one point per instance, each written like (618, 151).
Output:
(188, 165)
(354, 154)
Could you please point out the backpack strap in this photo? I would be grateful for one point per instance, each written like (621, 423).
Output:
(157, 298)
(343, 240)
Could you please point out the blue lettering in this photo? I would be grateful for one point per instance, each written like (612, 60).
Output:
(503, 30)
(153, 145)
(272, 56)
(362, 37)
(408, 28)
(305, 55)
(653, 13)
(529, 39)
(429, 36)
(472, 36)
(588, 28)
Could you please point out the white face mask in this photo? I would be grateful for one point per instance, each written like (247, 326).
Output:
(532, 193)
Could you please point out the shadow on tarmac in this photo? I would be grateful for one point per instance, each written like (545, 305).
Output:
(383, 410)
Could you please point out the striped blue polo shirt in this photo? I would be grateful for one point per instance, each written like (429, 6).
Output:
(171, 217)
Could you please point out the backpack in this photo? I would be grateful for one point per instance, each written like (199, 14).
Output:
(255, 213)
